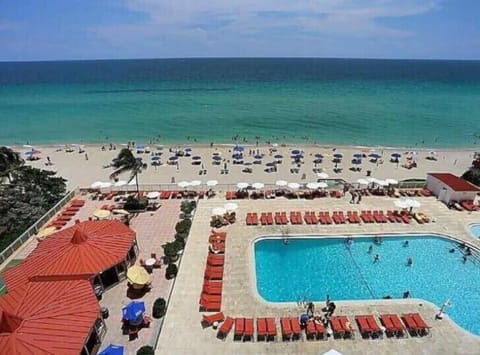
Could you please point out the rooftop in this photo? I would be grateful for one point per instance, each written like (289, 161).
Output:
(454, 182)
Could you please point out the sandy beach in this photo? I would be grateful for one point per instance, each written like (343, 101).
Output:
(82, 172)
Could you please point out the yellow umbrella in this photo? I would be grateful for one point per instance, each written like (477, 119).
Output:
(122, 212)
(137, 275)
(101, 213)
(41, 235)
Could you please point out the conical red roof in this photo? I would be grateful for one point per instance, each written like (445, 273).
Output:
(52, 317)
(86, 248)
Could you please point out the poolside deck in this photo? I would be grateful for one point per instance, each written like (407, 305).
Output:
(183, 333)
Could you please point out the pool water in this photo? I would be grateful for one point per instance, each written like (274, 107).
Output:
(310, 268)
(475, 230)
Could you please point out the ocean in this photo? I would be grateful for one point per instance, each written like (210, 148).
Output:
(408, 103)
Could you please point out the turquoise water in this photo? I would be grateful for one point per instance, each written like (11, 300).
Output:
(327, 101)
(475, 229)
(311, 268)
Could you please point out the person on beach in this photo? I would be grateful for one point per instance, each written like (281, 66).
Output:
(86, 156)
(359, 197)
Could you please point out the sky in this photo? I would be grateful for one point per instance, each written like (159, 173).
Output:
(116, 29)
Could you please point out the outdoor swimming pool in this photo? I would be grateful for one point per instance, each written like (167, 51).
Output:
(311, 268)
(475, 230)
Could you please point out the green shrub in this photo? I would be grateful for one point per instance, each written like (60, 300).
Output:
(181, 236)
(171, 272)
(183, 226)
(146, 350)
(159, 308)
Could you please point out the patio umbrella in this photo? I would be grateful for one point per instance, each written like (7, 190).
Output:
(358, 155)
(156, 158)
(296, 152)
(293, 185)
(238, 148)
(242, 185)
(96, 185)
(216, 153)
(217, 157)
(322, 185)
(101, 213)
(173, 158)
(396, 155)
(400, 204)
(120, 183)
(281, 183)
(183, 184)
(196, 158)
(313, 185)
(188, 149)
(231, 206)
(137, 275)
(381, 183)
(43, 233)
(375, 155)
(338, 155)
(372, 180)
(134, 311)
(278, 156)
(258, 157)
(319, 156)
(412, 203)
(258, 185)
(112, 350)
(362, 181)
(105, 185)
(391, 181)
(211, 183)
(322, 175)
(218, 211)
(195, 183)
(153, 194)
(270, 164)
(318, 161)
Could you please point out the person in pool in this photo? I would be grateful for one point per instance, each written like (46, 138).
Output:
(409, 262)
(370, 249)
(376, 258)
(405, 243)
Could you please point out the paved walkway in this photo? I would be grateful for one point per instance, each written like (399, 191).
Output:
(182, 332)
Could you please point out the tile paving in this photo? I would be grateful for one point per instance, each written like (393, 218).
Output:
(182, 332)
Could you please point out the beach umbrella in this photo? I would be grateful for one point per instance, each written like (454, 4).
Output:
(173, 158)
(188, 149)
(238, 148)
(211, 183)
(196, 158)
(133, 182)
(112, 349)
(322, 185)
(318, 161)
(396, 155)
(412, 203)
(217, 158)
(134, 311)
(272, 163)
(247, 163)
(218, 211)
(371, 180)
(195, 183)
(322, 175)
(43, 233)
(216, 153)
(381, 183)
(391, 181)
(281, 183)
(338, 155)
(296, 152)
(156, 158)
(137, 275)
(319, 156)
(105, 185)
(374, 155)
(258, 157)
(231, 206)
(29, 146)
(313, 185)
(121, 211)
(293, 185)
(362, 181)
(400, 204)
(258, 185)
(96, 185)
(153, 194)
(120, 183)
(242, 185)
(278, 156)
(183, 184)
(237, 156)
(358, 156)
(100, 213)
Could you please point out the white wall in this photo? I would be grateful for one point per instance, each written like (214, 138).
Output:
(436, 186)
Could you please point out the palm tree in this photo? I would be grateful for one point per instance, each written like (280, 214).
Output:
(126, 161)
(9, 161)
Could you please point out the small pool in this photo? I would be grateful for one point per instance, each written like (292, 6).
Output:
(310, 268)
(475, 230)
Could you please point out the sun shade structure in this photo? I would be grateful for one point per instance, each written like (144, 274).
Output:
(137, 275)
(87, 248)
(48, 317)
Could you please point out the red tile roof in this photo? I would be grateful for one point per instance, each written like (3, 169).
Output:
(86, 248)
(47, 317)
(454, 182)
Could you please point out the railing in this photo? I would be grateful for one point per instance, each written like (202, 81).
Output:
(25, 236)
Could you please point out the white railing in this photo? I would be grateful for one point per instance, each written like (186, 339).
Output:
(32, 230)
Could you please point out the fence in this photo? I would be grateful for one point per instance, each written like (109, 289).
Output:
(17, 243)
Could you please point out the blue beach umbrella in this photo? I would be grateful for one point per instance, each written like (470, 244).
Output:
(319, 156)
(188, 149)
(338, 155)
(173, 158)
(318, 161)
(238, 148)
(270, 164)
(139, 159)
(296, 152)
(134, 311)
(237, 156)
(278, 156)
(156, 158)
(112, 350)
(196, 157)
(298, 156)
(258, 157)
(217, 157)
(396, 155)
(375, 155)
(358, 155)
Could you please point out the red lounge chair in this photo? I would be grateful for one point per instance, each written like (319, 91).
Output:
(248, 219)
(363, 325)
(350, 217)
(69, 213)
(225, 328)
(328, 219)
(345, 325)
(398, 324)
(208, 320)
(313, 217)
(320, 330)
(311, 330)
(342, 217)
(263, 219)
(262, 332)
(286, 328)
(239, 328)
(254, 219)
(337, 328)
(213, 275)
(278, 218)
(410, 324)
(307, 218)
(271, 328)
(210, 306)
(422, 327)
(390, 328)
(248, 334)
(212, 290)
(269, 218)
(375, 329)
(284, 218)
(216, 259)
(296, 329)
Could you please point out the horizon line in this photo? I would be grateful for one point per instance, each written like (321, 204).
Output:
(222, 57)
